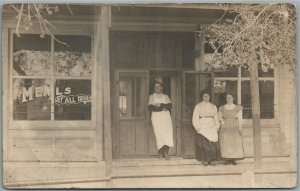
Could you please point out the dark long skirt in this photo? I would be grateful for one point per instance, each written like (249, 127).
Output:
(206, 150)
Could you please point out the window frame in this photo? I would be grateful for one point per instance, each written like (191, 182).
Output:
(240, 79)
(52, 123)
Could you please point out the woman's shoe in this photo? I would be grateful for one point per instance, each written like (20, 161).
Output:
(227, 162)
(166, 153)
(205, 163)
(160, 154)
(167, 157)
(233, 162)
(212, 163)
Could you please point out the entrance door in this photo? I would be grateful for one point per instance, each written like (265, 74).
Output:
(130, 114)
(194, 84)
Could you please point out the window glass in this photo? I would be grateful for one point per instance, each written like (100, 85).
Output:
(31, 55)
(246, 99)
(31, 99)
(223, 87)
(72, 100)
(75, 58)
(266, 90)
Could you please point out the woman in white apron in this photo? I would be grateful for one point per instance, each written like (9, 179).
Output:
(231, 140)
(160, 107)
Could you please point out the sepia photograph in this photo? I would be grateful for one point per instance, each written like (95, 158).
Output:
(149, 95)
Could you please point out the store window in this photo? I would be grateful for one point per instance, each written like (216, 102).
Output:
(235, 80)
(51, 81)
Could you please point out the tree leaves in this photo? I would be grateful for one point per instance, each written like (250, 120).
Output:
(268, 29)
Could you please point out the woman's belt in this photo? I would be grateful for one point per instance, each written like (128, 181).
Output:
(231, 118)
(200, 117)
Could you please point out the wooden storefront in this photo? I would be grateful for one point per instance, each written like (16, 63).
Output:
(127, 48)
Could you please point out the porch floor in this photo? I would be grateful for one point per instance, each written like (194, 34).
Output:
(185, 173)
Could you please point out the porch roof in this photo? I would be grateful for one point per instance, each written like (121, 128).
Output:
(195, 13)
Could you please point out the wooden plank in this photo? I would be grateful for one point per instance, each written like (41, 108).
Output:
(178, 114)
(5, 86)
(140, 137)
(153, 27)
(127, 137)
(115, 122)
(173, 151)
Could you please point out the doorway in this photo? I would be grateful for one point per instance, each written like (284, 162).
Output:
(194, 84)
(133, 135)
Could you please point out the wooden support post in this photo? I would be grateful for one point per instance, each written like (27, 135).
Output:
(254, 84)
(199, 52)
(104, 53)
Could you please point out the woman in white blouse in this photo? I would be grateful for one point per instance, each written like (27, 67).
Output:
(231, 143)
(206, 123)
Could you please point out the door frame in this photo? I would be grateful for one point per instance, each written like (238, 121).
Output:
(175, 77)
(115, 106)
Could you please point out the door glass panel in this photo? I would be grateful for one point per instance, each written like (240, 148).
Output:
(132, 96)
(126, 85)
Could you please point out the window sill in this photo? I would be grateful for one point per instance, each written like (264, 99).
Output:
(265, 123)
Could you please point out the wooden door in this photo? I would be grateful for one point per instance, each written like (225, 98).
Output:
(170, 83)
(130, 114)
(194, 83)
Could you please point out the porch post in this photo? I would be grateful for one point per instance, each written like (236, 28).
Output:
(105, 22)
(254, 84)
(102, 72)
(199, 52)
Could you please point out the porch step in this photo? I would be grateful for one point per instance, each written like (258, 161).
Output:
(190, 167)
(175, 161)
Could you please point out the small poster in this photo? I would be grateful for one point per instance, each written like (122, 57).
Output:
(219, 86)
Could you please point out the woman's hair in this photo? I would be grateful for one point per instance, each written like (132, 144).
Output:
(157, 82)
(228, 94)
(204, 92)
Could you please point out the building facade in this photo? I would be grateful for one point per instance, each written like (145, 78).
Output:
(74, 113)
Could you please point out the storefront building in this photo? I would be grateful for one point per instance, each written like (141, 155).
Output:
(72, 113)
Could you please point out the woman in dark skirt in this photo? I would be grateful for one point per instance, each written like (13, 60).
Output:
(206, 123)
(231, 143)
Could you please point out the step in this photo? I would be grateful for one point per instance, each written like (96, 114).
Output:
(181, 167)
(174, 161)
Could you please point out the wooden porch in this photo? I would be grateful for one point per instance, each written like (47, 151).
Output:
(187, 173)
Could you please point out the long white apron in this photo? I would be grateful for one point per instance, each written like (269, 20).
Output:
(162, 126)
